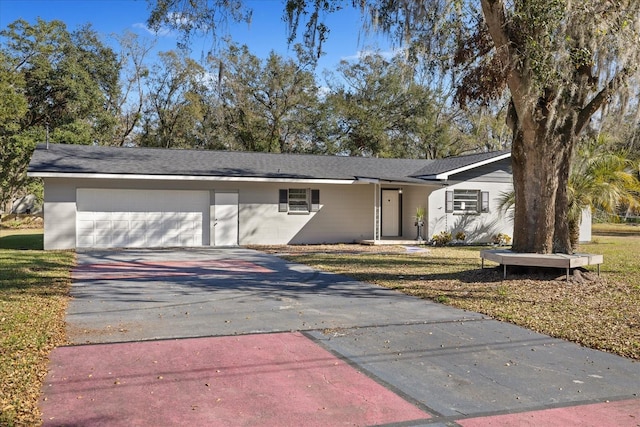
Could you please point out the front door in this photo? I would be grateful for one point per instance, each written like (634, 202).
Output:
(390, 213)
(225, 221)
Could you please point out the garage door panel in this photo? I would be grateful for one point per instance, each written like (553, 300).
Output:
(140, 218)
(85, 241)
(120, 224)
(103, 240)
(137, 225)
(189, 226)
(85, 224)
(155, 225)
(172, 240)
(180, 239)
(120, 238)
(154, 238)
(137, 239)
(170, 225)
(102, 224)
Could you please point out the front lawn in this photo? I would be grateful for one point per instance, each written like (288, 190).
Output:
(34, 288)
(599, 312)
(27, 238)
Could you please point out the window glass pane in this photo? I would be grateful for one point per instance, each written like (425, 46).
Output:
(465, 200)
(298, 200)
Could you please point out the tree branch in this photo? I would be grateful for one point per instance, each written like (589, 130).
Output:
(496, 20)
(602, 97)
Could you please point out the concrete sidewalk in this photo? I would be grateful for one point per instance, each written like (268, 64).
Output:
(237, 337)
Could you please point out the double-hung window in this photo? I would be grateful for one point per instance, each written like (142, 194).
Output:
(299, 200)
(467, 201)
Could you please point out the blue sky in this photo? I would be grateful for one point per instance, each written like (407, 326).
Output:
(267, 31)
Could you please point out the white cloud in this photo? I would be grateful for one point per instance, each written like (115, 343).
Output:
(323, 91)
(178, 19)
(162, 32)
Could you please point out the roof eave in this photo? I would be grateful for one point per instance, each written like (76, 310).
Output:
(88, 175)
(445, 175)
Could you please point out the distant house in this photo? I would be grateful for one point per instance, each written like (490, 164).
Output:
(105, 197)
(25, 205)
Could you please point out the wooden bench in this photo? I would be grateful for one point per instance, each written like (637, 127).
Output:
(506, 257)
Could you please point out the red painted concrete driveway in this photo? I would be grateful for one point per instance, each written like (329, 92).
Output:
(279, 379)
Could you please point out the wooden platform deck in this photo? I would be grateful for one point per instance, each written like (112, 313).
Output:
(392, 241)
(506, 257)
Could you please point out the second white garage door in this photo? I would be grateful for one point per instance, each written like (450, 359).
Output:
(112, 218)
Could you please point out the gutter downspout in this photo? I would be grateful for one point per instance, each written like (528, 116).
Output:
(376, 212)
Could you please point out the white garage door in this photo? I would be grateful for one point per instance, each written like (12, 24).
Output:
(108, 218)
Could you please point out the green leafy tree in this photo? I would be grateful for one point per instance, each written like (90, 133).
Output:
(621, 124)
(371, 106)
(268, 105)
(486, 127)
(14, 152)
(379, 108)
(174, 105)
(559, 62)
(601, 179)
(53, 83)
(71, 79)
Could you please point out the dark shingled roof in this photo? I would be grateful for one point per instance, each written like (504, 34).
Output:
(86, 159)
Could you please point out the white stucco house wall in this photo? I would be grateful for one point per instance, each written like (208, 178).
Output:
(106, 197)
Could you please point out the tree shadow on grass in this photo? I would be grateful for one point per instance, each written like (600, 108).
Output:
(22, 241)
(40, 272)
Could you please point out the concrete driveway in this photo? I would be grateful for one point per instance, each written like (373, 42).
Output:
(238, 337)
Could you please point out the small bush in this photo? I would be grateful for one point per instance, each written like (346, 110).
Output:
(16, 222)
(501, 239)
(442, 239)
(461, 236)
(442, 299)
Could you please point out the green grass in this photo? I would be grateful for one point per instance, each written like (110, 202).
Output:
(34, 288)
(621, 257)
(609, 229)
(31, 239)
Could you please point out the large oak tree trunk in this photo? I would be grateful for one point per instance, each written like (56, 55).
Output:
(535, 185)
(540, 163)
